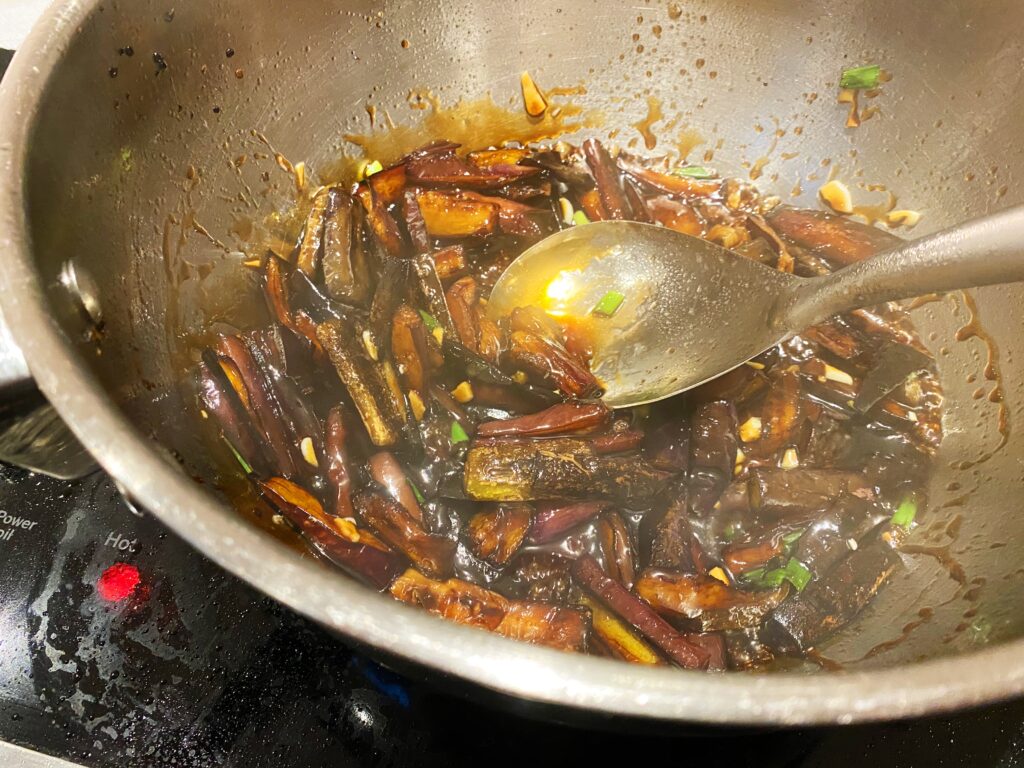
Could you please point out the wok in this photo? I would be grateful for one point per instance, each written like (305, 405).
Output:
(120, 163)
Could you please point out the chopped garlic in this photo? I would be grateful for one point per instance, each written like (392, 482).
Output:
(718, 573)
(755, 365)
(371, 348)
(727, 237)
(912, 415)
(902, 218)
(566, 211)
(464, 392)
(750, 430)
(204, 414)
(347, 527)
(300, 176)
(438, 334)
(740, 456)
(790, 460)
(367, 168)
(533, 99)
(835, 374)
(308, 452)
(519, 377)
(837, 196)
(417, 405)
(851, 543)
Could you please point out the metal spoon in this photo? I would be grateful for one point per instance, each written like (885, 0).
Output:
(692, 310)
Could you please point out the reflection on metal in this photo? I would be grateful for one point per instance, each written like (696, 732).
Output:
(38, 440)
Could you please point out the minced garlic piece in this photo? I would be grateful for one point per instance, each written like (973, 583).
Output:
(718, 573)
(837, 196)
(464, 392)
(790, 460)
(371, 347)
(902, 218)
(835, 374)
(533, 99)
(416, 405)
(566, 211)
(308, 452)
(750, 430)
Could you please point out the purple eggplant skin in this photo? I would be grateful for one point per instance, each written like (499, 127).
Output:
(638, 614)
(832, 600)
(713, 446)
(803, 493)
(553, 519)
(225, 407)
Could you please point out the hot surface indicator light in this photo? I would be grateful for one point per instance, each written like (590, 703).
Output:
(118, 582)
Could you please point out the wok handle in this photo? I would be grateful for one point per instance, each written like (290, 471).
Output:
(983, 251)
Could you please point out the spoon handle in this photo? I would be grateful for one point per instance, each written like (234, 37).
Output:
(981, 252)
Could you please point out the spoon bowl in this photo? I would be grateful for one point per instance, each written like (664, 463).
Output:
(686, 314)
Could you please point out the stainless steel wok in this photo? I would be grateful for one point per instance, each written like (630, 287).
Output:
(119, 163)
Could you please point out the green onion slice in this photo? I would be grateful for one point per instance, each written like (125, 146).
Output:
(458, 433)
(238, 457)
(416, 492)
(905, 513)
(795, 572)
(693, 172)
(861, 77)
(429, 320)
(579, 217)
(609, 304)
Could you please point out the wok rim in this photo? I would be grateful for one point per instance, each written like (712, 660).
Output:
(495, 663)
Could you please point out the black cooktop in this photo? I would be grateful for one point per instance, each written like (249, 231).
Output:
(120, 646)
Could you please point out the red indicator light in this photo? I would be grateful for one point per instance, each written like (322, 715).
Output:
(118, 582)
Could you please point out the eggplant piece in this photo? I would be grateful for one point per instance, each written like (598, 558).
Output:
(619, 638)
(264, 406)
(832, 600)
(449, 262)
(570, 170)
(388, 185)
(677, 215)
(496, 534)
(356, 552)
(685, 187)
(706, 601)
(638, 614)
(414, 224)
(616, 547)
(829, 443)
(606, 177)
(552, 520)
(713, 445)
(382, 224)
(499, 469)
(308, 259)
(434, 555)
(338, 474)
(416, 352)
(714, 644)
(515, 218)
(549, 363)
(466, 603)
(801, 493)
(480, 370)
(892, 366)
(838, 239)
(756, 551)
(671, 535)
(368, 387)
(617, 441)
(393, 288)
(220, 399)
(837, 337)
(558, 419)
(463, 297)
(453, 214)
(826, 540)
(544, 577)
(277, 293)
(344, 262)
(781, 413)
(489, 158)
(538, 322)
(433, 292)
(439, 165)
(784, 261)
(389, 475)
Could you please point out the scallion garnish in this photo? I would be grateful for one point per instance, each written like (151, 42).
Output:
(905, 513)
(579, 217)
(429, 320)
(609, 304)
(795, 572)
(416, 492)
(458, 433)
(238, 457)
(790, 540)
(861, 77)
(693, 172)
